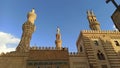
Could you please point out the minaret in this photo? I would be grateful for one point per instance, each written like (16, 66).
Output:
(28, 28)
(94, 24)
(58, 40)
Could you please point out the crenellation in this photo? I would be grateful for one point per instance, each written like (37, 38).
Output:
(76, 54)
(100, 32)
(73, 53)
(13, 54)
(108, 32)
(47, 48)
(2, 53)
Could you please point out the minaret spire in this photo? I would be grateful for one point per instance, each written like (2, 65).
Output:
(58, 40)
(94, 24)
(88, 13)
(92, 13)
(28, 28)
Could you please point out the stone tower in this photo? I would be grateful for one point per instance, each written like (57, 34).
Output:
(94, 24)
(100, 47)
(58, 40)
(28, 28)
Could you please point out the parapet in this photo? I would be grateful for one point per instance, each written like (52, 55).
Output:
(73, 53)
(13, 53)
(76, 54)
(100, 31)
(47, 48)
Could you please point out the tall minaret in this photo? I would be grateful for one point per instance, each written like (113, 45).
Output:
(94, 24)
(58, 40)
(28, 28)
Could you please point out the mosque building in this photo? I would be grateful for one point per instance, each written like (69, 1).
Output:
(96, 48)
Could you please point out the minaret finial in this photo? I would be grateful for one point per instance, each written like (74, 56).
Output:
(33, 10)
(58, 30)
(31, 16)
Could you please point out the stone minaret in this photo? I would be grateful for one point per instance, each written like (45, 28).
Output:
(94, 24)
(58, 40)
(28, 28)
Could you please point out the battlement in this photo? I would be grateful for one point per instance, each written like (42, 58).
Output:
(13, 53)
(47, 48)
(100, 31)
(6, 53)
(75, 54)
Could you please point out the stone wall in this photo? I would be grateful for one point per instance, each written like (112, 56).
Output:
(13, 60)
(78, 61)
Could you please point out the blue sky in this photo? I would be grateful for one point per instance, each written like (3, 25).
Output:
(69, 15)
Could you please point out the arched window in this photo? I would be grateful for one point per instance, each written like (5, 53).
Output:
(96, 42)
(38, 67)
(81, 49)
(95, 19)
(100, 55)
(91, 20)
(57, 66)
(117, 43)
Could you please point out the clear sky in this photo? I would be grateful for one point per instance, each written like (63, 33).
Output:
(69, 15)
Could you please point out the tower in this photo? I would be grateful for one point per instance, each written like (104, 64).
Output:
(94, 24)
(100, 47)
(28, 28)
(58, 40)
